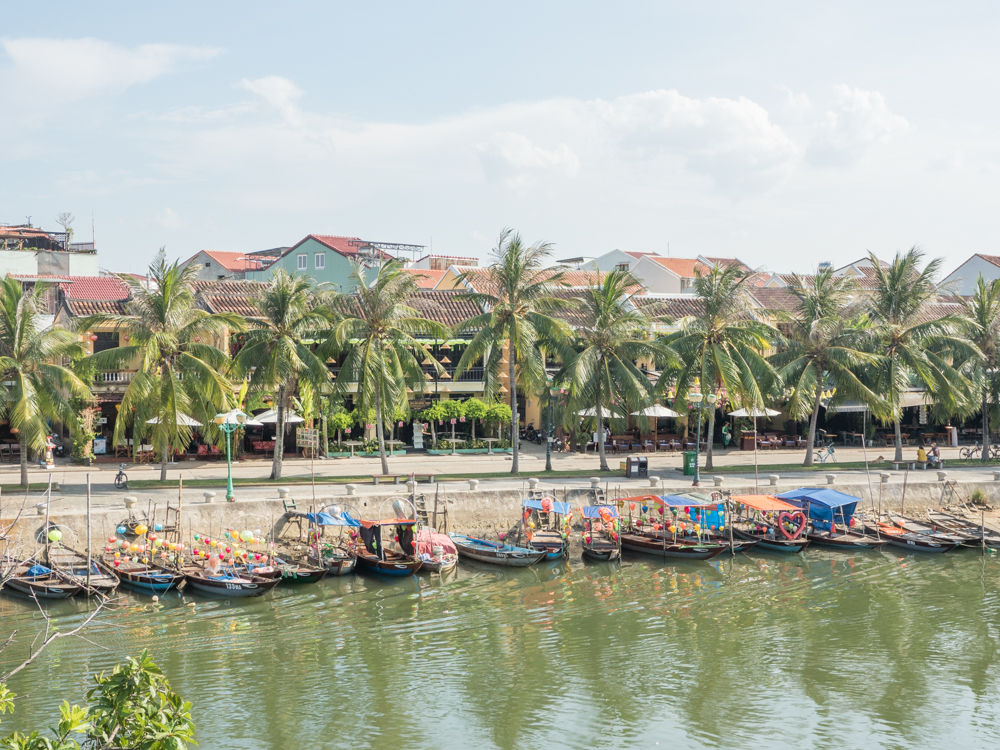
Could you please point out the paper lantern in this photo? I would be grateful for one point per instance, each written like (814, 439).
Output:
(140, 529)
(121, 529)
(55, 535)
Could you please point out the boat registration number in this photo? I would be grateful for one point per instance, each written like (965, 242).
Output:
(233, 586)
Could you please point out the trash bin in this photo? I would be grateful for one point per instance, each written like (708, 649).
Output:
(636, 466)
(690, 462)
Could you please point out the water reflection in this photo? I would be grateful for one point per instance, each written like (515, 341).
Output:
(816, 650)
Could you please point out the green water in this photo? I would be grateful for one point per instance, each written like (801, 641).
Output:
(873, 650)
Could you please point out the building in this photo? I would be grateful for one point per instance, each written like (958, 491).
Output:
(616, 260)
(442, 262)
(32, 251)
(326, 259)
(963, 280)
(662, 275)
(217, 265)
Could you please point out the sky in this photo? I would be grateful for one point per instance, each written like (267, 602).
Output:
(784, 134)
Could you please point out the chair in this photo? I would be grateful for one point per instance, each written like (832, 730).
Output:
(214, 452)
(763, 443)
(202, 451)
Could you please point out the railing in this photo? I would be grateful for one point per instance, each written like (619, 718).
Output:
(471, 375)
(118, 376)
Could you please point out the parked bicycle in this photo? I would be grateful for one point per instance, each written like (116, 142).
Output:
(121, 478)
(828, 452)
(975, 451)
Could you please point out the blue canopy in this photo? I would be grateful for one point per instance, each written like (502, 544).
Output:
(325, 519)
(594, 511)
(37, 571)
(680, 501)
(563, 509)
(824, 504)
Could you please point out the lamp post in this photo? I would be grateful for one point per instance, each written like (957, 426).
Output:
(229, 423)
(548, 427)
(699, 403)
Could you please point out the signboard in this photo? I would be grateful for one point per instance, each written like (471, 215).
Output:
(306, 438)
(100, 446)
(418, 436)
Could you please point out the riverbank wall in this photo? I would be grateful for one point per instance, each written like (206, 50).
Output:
(479, 511)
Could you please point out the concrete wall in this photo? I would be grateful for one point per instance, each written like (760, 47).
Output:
(963, 279)
(18, 262)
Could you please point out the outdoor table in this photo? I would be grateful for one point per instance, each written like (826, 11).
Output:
(489, 443)
(352, 443)
(454, 442)
(391, 443)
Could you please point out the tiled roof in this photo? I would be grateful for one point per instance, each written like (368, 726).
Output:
(228, 286)
(235, 296)
(14, 232)
(425, 278)
(938, 310)
(637, 255)
(448, 257)
(686, 267)
(446, 308)
(236, 261)
(84, 287)
(80, 308)
(669, 306)
(341, 244)
(776, 299)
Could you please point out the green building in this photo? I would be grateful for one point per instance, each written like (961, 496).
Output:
(326, 259)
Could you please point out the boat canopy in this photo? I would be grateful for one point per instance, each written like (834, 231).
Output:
(327, 519)
(685, 501)
(764, 502)
(594, 511)
(824, 504)
(563, 509)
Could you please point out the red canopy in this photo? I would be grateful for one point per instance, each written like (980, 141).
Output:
(764, 502)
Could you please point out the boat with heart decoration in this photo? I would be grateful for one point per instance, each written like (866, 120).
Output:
(378, 556)
(776, 525)
(831, 519)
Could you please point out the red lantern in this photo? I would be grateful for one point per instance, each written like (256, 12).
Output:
(92, 337)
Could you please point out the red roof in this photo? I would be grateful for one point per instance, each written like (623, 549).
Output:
(686, 267)
(425, 278)
(449, 257)
(235, 261)
(636, 255)
(341, 244)
(94, 288)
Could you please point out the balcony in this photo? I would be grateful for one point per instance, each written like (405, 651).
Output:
(113, 381)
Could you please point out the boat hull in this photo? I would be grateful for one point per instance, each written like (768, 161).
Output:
(341, 566)
(610, 553)
(230, 587)
(847, 542)
(40, 590)
(913, 542)
(149, 584)
(784, 546)
(439, 566)
(684, 551)
(492, 553)
(395, 567)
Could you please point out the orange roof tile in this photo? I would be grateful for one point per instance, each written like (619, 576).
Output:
(425, 278)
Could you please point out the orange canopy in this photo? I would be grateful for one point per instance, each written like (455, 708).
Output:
(764, 502)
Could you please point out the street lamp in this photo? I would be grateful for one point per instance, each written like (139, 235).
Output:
(548, 428)
(229, 423)
(700, 402)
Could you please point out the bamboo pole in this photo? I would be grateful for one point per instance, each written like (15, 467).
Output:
(982, 529)
(88, 534)
(180, 500)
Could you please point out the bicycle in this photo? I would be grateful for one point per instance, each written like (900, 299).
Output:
(974, 451)
(121, 478)
(828, 453)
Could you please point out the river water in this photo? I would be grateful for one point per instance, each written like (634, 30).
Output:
(870, 649)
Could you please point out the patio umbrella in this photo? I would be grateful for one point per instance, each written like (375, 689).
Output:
(183, 419)
(271, 417)
(754, 412)
(656, 411)
(606, 412)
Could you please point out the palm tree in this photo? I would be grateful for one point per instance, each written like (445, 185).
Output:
(723, 346)
(516, 293)
(378, 332)
(823, 342)
(38, 388)
(611, 338)
(179, 374)
(914, 349)
(275, 353)
(980, 326)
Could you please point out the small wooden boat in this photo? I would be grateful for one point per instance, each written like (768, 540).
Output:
(228, 583)
(299, 572)
(495, 553)
(665, 547)
(981, 534)
(850, 540)
(553, 520)
(738, 545)
(771, 522)
(916, 526)
(436, 551)
(770, 539)
(339, 560)
(144, 578)
(37, 580)
(601, 537)
(72, 566)
(907, 540)
(375, 557)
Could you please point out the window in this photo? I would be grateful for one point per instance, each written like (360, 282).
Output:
(319, 261)
(208, 264)
(303, 261)
(621, 267)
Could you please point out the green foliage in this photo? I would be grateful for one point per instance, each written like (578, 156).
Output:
(339, 419)
(452, 409)
(978, 496)
(133, 708)
(476, 409)
(433, 413)
(498, 412)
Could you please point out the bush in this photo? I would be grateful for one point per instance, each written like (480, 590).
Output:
(978, 496)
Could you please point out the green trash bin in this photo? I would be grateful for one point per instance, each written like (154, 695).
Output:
(690, 462)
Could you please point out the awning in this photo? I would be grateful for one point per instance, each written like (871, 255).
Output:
(594, 511)
(656, 410)
(325, 519)
(683, 501)
(563, 509)
(906, 400)
(763, 502)
(753, 411)
(824, 504)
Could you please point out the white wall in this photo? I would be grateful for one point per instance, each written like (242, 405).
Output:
(609, 261)
(966, 276)
(656, 278)
(18, 261)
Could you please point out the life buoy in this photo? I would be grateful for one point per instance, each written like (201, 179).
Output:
(789, 518)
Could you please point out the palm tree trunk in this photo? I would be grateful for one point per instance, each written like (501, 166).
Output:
(279, 436)
(599, 412)
(708, 437)
(986, 426)
(379, 431)
(24, 459)
(434, 435)
(812, 428)
(163, 461)
(899, 441)
(514, 416)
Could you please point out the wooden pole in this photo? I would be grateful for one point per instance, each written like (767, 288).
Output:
(180, 491)
(48, 502)
(982, 529)
(88, 534)
(729, 522)
(902, 499)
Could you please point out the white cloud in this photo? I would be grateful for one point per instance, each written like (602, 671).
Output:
(514, 159)
(168, 219)
(280, 93)
(71, 69)
(859, 120)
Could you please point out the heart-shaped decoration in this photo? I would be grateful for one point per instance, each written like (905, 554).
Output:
(798, 517)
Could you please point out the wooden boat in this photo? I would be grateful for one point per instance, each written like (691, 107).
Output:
(72, 566)
(916, 526)
(601, 540)
(666, 547)
(602, 550)
(299, 572)
(907, 540)
(227, 583)
(375, 557)
(339, 561)
(981, 534)
(738, 545)
(390, 564)
(436, 551)
(850, 540)
(146, 579)
(771, 540)
(552, 536)
(39, 581)
(495, 553)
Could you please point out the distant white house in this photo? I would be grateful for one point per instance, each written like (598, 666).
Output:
(963, 279)
(615, 260)
(662, 275)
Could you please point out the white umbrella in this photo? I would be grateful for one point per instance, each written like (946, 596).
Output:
(605, 412)
(754, 412)
(183, 419)
(271, 417)
(655, 411)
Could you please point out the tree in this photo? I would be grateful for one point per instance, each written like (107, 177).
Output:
(516, 291)
(37, 388)
(179, 374)
(475, 410)
(723, 346)
(824, 344)
(377, 329)
(277, 352)
(610, 339)
(980, 327)
(914, 350)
